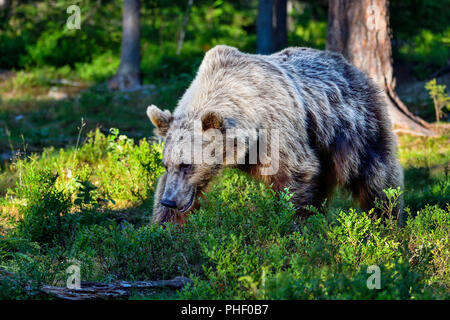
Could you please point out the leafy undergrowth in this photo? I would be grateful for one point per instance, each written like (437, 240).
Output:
(91, 206)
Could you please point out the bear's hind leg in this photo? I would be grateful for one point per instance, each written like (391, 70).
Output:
(308, 188)
(372, 180)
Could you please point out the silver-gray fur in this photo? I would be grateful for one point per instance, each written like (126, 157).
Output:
(332, 120)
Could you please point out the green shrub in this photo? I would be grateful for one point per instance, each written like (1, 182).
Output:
(429, 242)
(428, 50)
(133, 168)
(238, 205)
(238, 228)
(326, 259)
(58, 192)
(362, 240)
(100, 68)
(243, 242)
(312, 34)
(440, 98)
(31, 268)
(44, 210)
(122, 251)
(42, 214)
(11, 47)
(40, 77)
(398, 281)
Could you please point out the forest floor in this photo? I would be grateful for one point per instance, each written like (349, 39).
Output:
(77, 192)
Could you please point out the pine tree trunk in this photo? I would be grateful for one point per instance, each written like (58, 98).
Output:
(359, 29)
(266, 41)
(128, 74)
(272, 25)
(281, 24)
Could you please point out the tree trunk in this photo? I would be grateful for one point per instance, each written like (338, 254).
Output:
(281, 24)
(266, 42)
(290, 21)
(128, 75)
(183, 28)
(360, 31)
(272, 25)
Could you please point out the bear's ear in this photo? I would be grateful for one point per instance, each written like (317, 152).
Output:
(160, 119)
(212, 120)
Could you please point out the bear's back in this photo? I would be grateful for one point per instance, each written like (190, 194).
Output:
(326, 66)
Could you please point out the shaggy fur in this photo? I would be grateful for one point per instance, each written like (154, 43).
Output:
(332, 120)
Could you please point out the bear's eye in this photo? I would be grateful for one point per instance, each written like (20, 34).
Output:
(185, 167)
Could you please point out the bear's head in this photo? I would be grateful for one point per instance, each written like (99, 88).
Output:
(193, 154)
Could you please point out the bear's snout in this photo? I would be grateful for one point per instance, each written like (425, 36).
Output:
(168, 203)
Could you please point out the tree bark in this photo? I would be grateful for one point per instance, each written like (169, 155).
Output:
(359, 29)
(128, 74)
(272, 25)
(281, 24)
(265, 27)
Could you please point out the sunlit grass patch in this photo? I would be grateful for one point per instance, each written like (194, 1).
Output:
(426, 163)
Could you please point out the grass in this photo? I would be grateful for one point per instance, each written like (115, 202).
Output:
(33, 124)
(92, 205)
(426, 167)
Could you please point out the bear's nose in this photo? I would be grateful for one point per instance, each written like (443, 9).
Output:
(168, 203)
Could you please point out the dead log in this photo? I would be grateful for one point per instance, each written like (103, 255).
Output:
(119, 290)
(103, 291)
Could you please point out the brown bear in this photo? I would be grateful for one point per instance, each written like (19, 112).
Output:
(330, 119)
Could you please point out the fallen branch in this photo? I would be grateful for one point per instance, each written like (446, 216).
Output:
(122, 289)
(96, 290)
